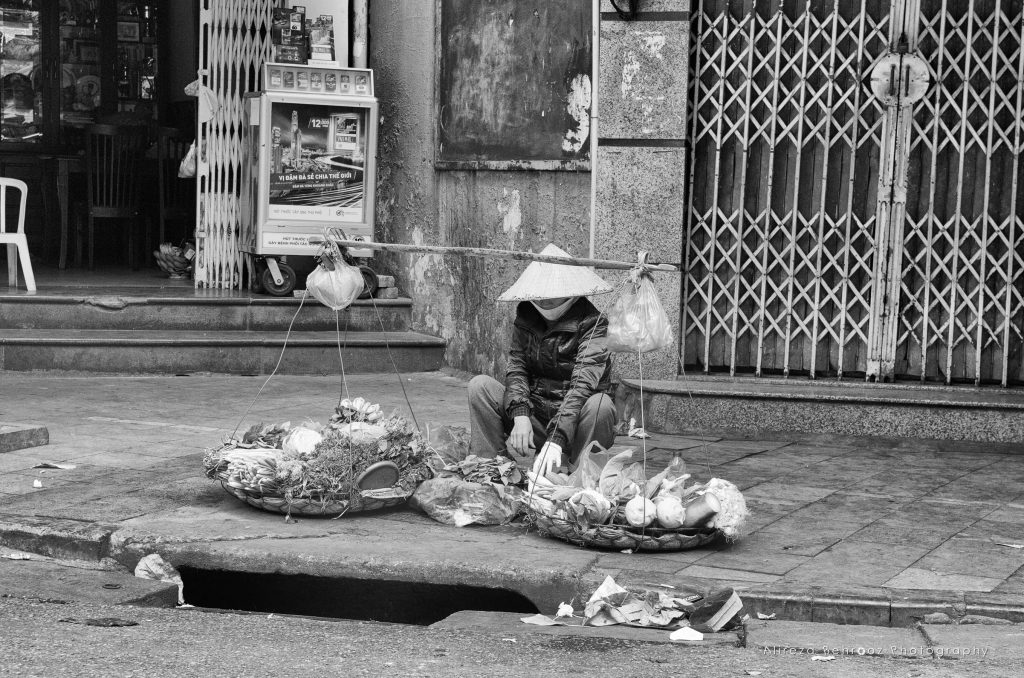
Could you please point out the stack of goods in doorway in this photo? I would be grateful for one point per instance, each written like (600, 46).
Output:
(288, 35)
(321, 40)
(298, 40)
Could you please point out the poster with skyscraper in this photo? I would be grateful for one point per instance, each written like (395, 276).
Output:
(317, 163)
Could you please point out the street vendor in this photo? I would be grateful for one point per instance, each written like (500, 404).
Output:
(554, 398)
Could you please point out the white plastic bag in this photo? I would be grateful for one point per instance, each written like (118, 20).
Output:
(155, 567)
(637, 321)
(335, 289)
(453, 501)
(187, 168)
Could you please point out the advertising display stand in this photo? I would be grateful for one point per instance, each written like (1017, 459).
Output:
(316, 145)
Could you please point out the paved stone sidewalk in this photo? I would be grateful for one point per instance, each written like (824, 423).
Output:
(845, 530)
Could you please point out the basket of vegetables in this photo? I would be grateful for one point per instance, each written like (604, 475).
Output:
(615, 506)
(359, 461)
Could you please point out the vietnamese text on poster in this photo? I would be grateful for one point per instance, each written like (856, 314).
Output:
(317, 159)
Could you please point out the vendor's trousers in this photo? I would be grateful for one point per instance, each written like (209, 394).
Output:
(490, 426)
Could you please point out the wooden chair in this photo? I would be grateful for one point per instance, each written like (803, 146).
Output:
(111, 165)
(176, 195)
(15, 239)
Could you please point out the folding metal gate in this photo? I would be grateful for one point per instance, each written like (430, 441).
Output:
(234, 42)
(854, 193)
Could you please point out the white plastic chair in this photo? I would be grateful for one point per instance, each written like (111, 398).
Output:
(16, 239)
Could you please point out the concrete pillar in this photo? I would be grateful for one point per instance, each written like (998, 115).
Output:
(641, 156)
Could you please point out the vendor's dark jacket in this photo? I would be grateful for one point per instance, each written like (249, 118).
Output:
(552, 370)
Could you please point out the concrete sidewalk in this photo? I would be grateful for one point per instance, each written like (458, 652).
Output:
(844, 530)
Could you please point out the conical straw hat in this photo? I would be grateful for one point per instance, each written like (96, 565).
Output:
(542, 280)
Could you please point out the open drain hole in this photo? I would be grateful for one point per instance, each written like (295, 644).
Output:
(343, 598)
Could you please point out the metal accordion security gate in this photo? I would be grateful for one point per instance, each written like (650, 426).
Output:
(234, 43)
(854, 205)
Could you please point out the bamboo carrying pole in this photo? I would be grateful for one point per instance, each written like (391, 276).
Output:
(499, 254)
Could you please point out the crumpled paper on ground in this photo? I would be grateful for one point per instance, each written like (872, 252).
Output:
(612, 604)
(155, 567)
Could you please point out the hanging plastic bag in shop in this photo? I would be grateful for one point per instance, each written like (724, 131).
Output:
(637, 321)
(336, 288)
(209, 104)
(187, 168)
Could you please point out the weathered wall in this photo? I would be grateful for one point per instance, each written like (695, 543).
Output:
(454, 297)
(640, 190)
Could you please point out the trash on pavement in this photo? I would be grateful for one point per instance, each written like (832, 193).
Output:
(51, 464)
(541, 620)
(720, 610)
(17, 556)
(686, 633)
(762, 615)
(155, 567)
(635, 431)
(1012, 546)
(37, 483)
(612, 604)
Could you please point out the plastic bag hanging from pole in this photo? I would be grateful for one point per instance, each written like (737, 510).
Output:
(637, 322)
(209, 104)
(334, 282)
(187, 168)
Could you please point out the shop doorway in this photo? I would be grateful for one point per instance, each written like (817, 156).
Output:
(76, 64)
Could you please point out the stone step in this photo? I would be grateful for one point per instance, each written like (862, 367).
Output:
(986, 414)
(218, 310)
(222, 352)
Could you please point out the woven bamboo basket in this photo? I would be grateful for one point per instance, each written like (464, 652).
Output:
(620, 537)
(173, 263)
(334, 505)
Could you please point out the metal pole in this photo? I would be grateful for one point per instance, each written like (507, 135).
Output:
(499, 254)
(360, 33)
(595, 65)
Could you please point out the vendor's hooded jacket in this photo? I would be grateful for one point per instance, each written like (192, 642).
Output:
(553, 369)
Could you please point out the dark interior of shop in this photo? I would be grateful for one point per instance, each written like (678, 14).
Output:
(96, 122)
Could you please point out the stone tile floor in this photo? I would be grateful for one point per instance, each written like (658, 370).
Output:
(855, 514)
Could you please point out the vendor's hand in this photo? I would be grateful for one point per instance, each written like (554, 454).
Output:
(548, 459)
(521, 438)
